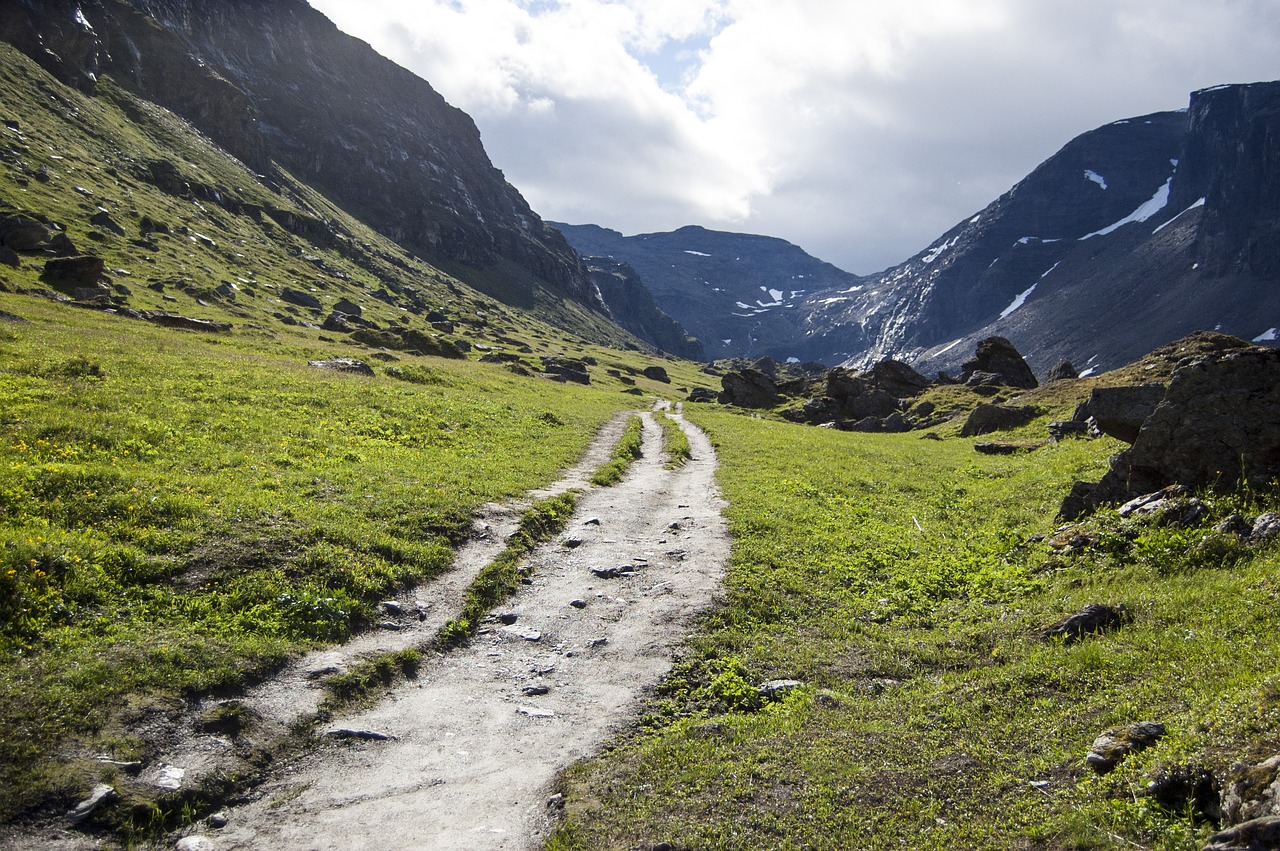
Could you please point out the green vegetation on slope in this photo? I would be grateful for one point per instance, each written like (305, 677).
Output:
(180, 511)
(895, 578)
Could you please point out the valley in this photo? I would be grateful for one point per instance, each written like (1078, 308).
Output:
(323, 526)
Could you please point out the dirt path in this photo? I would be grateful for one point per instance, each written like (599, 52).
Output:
(479, 736)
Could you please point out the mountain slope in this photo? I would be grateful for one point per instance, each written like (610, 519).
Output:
(1141, 231)
(277, 82)
(738, 293)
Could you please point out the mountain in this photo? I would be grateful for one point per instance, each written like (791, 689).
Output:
(276, 84)
(1135, 233)
(632, 306)
(740, 295)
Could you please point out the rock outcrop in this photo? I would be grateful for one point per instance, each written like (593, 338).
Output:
(1217, 426)
(997, 362)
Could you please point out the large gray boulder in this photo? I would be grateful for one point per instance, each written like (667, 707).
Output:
(22, 233)
(1217, 426)
(988, 418)
(1121, 411)
(896, 378)
(997, 356)
(749, 388)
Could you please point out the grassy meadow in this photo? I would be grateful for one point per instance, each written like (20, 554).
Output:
(179, 512)
(898, 579)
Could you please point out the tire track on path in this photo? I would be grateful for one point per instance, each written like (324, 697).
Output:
(479, 737)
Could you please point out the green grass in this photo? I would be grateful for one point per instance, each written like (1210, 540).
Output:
(624, 454)
(893, 576)
(675, 444)
(181, 512)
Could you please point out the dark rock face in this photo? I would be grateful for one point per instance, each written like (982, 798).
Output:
(748, 389)
(1121, 411)
(633, 308)
(274, 80)
(988, 418)
(656, 373)
(70, 273)
(1218, 425)
(996, 357)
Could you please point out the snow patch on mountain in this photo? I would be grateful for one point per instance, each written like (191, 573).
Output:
(1090, 174)
(1199, 203)
(1157, 203)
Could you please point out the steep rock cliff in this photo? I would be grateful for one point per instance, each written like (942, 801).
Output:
(275, 81)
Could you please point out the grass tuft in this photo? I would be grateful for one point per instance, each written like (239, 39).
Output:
(624, 454)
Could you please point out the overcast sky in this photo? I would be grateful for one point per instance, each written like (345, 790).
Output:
(857, 129)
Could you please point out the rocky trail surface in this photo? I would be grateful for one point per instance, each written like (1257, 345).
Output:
(464, 755)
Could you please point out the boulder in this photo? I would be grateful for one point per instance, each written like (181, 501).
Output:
(300, 298)
(337, 323)
(1258, 835)
(996, 355)
(872, 403)
(1218, 426)
(1110, 748)
(748, 389)
(702, 394)
(1092, 619)
(22, 233)
(1062, 429)
(68, 273)
(843, 385)
(656, 373)
(9, 257)
(349, 365)
(166, 175)
(103, 220)
(349, 307)
(61, 246)
(1063, 370)
(988, 418)
(566, 370)
(896, 378)
(1121, 411)
(1252, 792)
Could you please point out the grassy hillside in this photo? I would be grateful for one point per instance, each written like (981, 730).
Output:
(181, 510)
(899, 580)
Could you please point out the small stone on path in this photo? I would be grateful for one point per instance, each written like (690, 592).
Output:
(578, 604)
(535, 691)
(534, 712)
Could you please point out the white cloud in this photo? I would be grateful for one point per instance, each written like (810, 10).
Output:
(860, 130)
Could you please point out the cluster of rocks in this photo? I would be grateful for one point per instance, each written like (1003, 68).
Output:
(1246, 806)
(882, 399)
(1216, 425)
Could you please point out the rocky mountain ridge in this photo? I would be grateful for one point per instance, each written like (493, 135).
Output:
(1135, 233)
(741, 295)
(278, 85)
